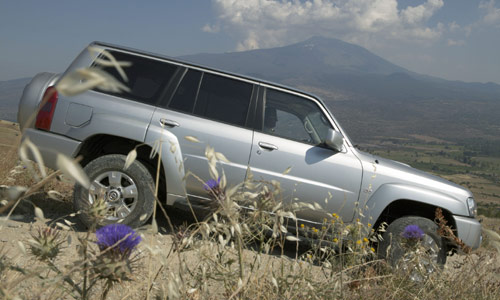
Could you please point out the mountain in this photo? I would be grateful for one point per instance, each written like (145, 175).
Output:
(369, 95)
(10, 93)
(334, 65)
(307, 59)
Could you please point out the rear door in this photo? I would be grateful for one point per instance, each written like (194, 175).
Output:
(216, 110)
(290, 134)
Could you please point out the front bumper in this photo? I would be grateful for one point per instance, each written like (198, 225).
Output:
(469, 231)
(50, 144)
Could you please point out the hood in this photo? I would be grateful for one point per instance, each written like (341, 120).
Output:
(381, 170)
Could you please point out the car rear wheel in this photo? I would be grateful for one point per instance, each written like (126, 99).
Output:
(116, 195)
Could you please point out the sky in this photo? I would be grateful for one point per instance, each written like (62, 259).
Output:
(451, 39)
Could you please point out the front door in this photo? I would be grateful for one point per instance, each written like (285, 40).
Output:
(292, 135)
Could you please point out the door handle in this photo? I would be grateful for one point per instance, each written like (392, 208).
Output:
(169, 123)
(267, 146)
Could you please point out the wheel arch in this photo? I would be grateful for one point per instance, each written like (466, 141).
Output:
(404, 208)
(104, 144)
(393, 201)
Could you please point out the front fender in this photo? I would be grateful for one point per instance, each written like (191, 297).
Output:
(390, 192)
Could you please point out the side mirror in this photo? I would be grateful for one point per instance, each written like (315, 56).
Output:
(334, 140)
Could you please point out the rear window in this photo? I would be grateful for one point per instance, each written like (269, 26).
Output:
(147, 78)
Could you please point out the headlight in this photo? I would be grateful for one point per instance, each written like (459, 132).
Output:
(471, 204)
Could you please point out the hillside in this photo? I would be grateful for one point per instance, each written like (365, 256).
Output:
(10, 93)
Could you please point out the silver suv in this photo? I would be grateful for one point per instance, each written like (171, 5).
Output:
(255, 124)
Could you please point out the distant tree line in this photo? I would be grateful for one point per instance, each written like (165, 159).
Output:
(482, 147)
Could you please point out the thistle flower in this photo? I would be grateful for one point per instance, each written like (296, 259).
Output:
(118, 239)
(46, 245)
(412, 232)
(116, 242)
(211, 184)
(213, 188)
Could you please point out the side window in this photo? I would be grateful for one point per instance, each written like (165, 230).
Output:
(223, 99)
(146, 77)
(284, 124)
(293, 117)
(185, 95)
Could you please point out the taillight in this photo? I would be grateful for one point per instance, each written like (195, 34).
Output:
(46, 112)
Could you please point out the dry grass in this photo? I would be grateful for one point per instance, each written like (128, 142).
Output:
(10, 137)
(185, 262)
(205, 270)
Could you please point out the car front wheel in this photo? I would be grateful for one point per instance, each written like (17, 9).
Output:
(413, 245)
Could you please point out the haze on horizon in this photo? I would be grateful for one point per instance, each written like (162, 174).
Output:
(451, 39)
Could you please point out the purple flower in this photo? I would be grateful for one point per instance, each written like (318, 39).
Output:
(412, 232)
(211, 184)
(121, 238)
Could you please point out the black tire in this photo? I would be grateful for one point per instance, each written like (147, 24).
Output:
(391, 247)
(118, 185)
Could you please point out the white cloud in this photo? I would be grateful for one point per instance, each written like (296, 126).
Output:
(453, 26)
(489, 18)
(420, 13)
(250, 43)
(452, 42)
(270, 23)
(210, 28)
(492, 13)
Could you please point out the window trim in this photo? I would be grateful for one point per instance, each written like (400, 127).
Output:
(169, 95)
(200, 82)
(253, 107)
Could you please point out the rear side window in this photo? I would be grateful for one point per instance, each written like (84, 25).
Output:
(223, 99)
(147, 78)
(216, 97)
